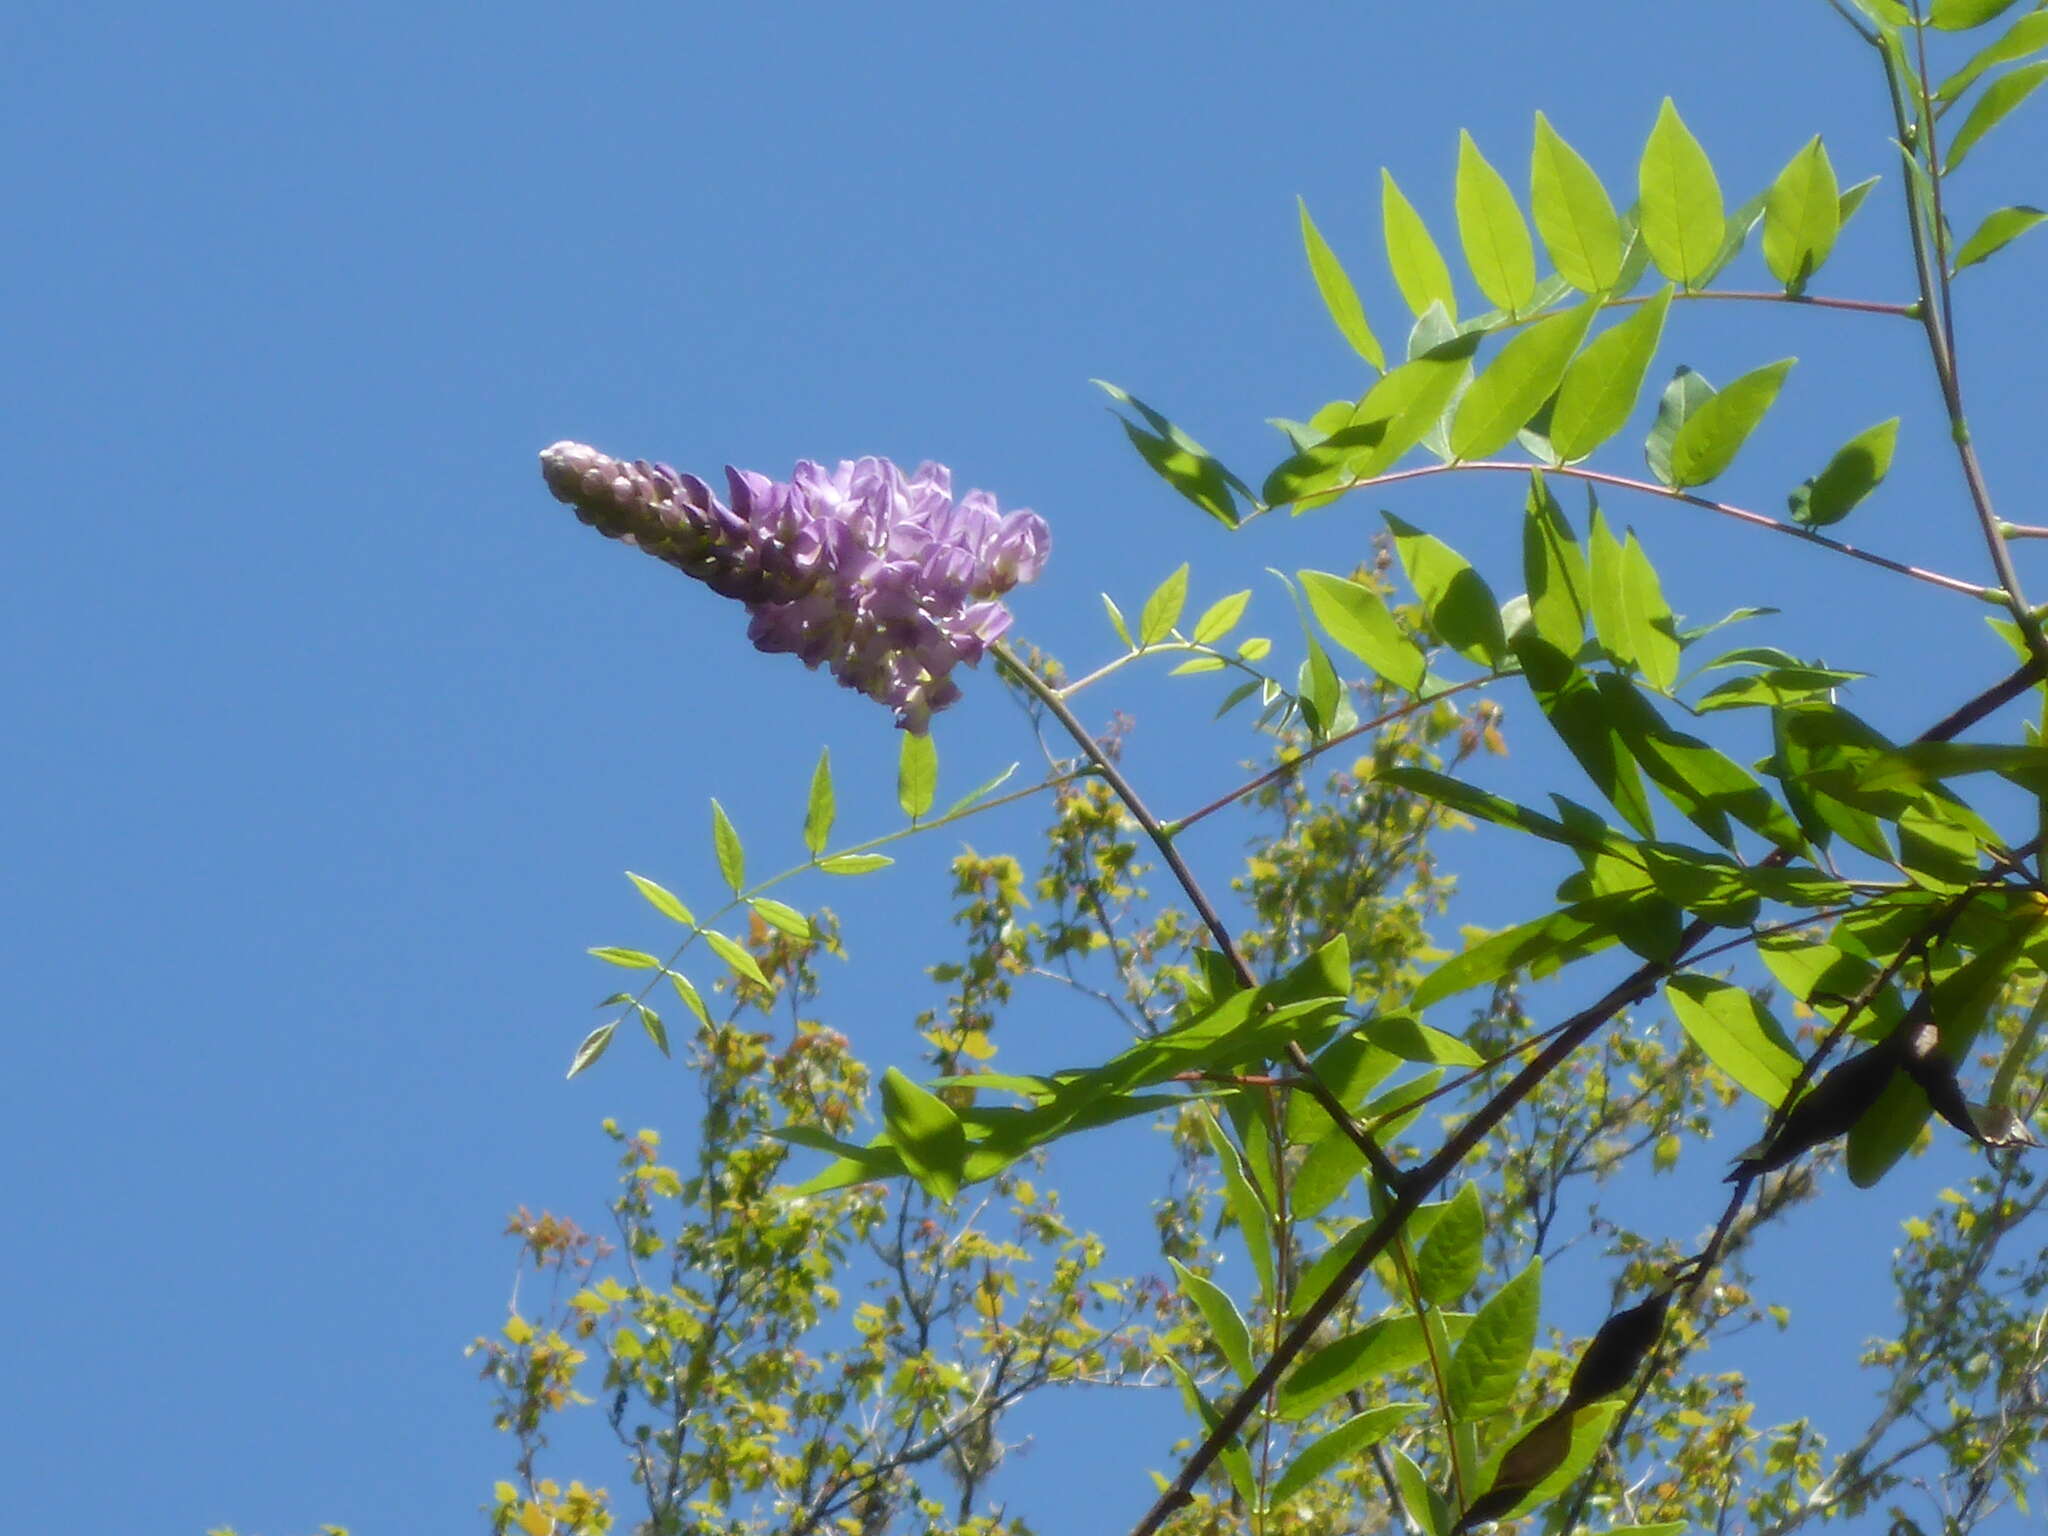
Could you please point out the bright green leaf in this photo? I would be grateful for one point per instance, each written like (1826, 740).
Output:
(1220, 617)
(1711, 437)
(925, 1131)
(776, 915)
(1162, 609)
(1514, 386)
(651, 1022)
(1681, 401)
(1357, 618)
(1997, 231)
(2027, 35)
(1682, 219)
(631, 959)
(725, 839)
(1600, 387)
(1802, 215)
(1961, 15)
(819, 809)
(735, 955)
(1490, 1359)
(1459, 606)
(1116, 621)
(1560, 586)
(687, 991)
(917, 774)
(1339, 297)
(1738, 1035)
(1418, 266)
(1227, 1330)
(1340, 1447)
(2000, 97)
(662, 900)
(1652, 631)
(1447, 1266)
(1573, 213)
(1492, 230)
(854, 863)
(593, 1046)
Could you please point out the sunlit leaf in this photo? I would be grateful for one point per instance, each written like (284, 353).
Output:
(1600, 388)
(1488, 1364)
(1341, 1446)
(1418, 266)
(1573, 213)
(2000, 97)
(1714, 433)
(631, 959)
(1220, 617)
(1514, 386)
(854, 863)
(593, 1046)
(1447, 1264)
(687, 991)
(1737, 1033)
(1681, 400)
(2027, 35)
(917, 774)
(1998, 230)
(1682, 219)
(1802, 215)
(1162, 609)
(980, 793)
(925, 1131)
(1357, 618)
(662, 900)
(786, 918)
(1560, 586)
(1491, 228)
(820, 808)
(1339, 297)
(725, 840)
(1961, 15)
(1227, 1330)
(1456, 601)
(736, 955)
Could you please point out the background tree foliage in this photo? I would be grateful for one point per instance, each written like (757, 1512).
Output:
(1813, 965)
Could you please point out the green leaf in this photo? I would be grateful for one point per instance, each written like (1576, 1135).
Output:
(725, 839)
(1513, 388)
(1116, 621)
(925, 1131)
(1540, 946)
(1705, 786)
(1456, 601)
(1682, 217)
(819, 809)
(1573, 213)
(1393, 417)
(735, 955)
(1247, 1209)
(1712, 436)
(687, 991)
(662, 900)
(1600, 387)
(1220, 617)
(1378, 1349)
(630, 959)
(1738, 1035)
(2025, 36)
(1397, 1034)
(854, 863)
(1490, 1359)
(1448, 1264)
(1357, 618)
(1340, 1447)
(1856, 470)
(1418, 266)
(1997, 231)
(651, 1022)
(1560, 586)
(593, 1046)
(1680, 402)
(980, 793)
(776, 915)
(1852, 199)
(1652, 631)
(1491, 228)
(1425, 1507)
(1162, 609)
(1317, 688)
(917, 774)
(1179, 460)
(2000, 97)
(1339, 297)
(1573, 707)
(1227, 1330)
(1802, 216)
(1961, 15)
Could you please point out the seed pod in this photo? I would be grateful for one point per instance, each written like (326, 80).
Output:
(1928, 1065)
(1833, 1105)
(1528, 1461)
(1616, 1352)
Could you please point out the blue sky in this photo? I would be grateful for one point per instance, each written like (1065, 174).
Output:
(333, 732)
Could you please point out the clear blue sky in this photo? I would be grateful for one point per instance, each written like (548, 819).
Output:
(331, 732)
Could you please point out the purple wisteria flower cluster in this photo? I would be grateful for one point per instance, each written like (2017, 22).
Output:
(882, 577)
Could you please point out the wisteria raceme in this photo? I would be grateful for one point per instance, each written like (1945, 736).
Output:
(881, 577)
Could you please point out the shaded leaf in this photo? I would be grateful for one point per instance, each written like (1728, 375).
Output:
(1856, 470)
(1180, 461)
(1344, 1444)
(593, 1046)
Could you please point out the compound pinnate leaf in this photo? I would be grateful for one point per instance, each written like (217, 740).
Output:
(1418, 266)
(1573, 213)
(1600, 387)
(1856, 470)
(820, 807)
(926, 1133)
(1802, 216)
(1682, 218)
(1339, 297)
(1712, 435)
(1357, 618)
(1491, 228)
(917, 775)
